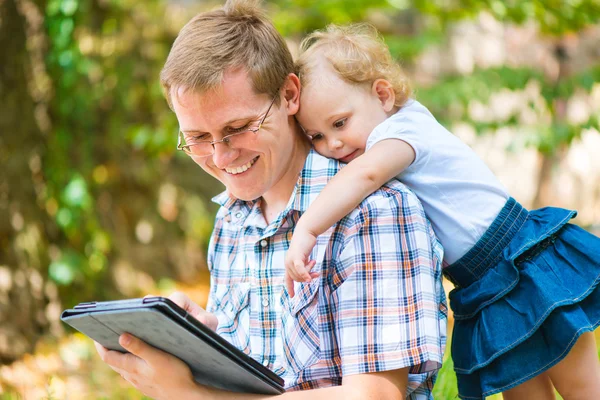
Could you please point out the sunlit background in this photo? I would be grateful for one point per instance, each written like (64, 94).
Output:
(96, 204)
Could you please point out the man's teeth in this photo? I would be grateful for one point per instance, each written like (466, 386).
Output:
(239, 170)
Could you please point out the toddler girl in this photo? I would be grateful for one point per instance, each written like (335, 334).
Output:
(526, 300)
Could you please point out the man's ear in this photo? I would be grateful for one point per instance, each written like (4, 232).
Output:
(291, 94)
(385, 93)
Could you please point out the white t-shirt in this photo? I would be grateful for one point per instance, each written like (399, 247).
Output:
(460, 195)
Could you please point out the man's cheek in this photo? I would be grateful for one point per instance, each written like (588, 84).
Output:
(208, 168)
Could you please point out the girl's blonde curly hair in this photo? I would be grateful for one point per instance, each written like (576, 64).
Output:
(357, 53)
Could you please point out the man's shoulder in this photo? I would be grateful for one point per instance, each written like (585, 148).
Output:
(392, 214)
(393, 194)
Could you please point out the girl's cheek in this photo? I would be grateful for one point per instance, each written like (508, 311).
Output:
(322, 149)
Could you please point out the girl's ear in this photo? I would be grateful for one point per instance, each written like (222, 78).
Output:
(385, 93)
(291, 94)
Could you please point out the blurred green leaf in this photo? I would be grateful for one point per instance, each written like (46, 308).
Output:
(76, 193)
(61, 272)
(64, 217)
(66, 27)
(68, 7)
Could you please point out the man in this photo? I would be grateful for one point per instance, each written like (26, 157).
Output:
(372, 325)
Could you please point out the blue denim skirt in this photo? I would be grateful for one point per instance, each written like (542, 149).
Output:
(524, 294)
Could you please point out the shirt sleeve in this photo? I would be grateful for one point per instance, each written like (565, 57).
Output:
(390, 305)
(217, 235)
(409, 126)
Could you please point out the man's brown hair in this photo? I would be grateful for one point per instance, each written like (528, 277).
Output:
(237, 36)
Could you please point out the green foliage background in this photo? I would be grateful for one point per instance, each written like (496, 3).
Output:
(111, 128)
(109, 185)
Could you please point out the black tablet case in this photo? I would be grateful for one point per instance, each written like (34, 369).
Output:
(164, 325)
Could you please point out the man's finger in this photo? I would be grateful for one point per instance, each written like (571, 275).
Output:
(138, 348)
(122, 373)
(183, 301)
(124, 362)
(100, 349)
(117, 370)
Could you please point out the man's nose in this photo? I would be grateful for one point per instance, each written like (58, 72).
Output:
(223, 155)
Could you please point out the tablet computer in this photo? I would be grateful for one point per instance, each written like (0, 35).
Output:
(163, 324)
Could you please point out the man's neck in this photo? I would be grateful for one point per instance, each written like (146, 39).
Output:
(277, 198)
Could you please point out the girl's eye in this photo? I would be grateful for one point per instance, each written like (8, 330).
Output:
(340, 123)
(316, 137)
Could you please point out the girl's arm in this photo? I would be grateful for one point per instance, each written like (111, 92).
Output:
(344, 192)
(353, 183)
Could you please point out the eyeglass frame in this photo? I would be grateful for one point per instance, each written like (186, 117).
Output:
(226, 139)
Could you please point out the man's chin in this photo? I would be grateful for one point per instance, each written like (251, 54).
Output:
(243, 194)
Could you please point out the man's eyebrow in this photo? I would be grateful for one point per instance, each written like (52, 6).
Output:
(237, 119)
(231, 121)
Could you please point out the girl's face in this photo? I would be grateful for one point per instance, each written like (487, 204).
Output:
(338, 116)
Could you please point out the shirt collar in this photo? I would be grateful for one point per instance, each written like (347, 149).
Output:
(317, 171)
(315, 174)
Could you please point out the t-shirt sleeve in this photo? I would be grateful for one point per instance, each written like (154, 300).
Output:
(390, 305)
(410, 127)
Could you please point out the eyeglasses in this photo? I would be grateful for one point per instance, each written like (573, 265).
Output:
(203, 146)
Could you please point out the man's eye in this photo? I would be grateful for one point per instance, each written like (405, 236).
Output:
(340, 122)
(198, 138)
(317, 136)
(237, 130)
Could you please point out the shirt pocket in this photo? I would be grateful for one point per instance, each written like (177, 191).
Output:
(300, 326)
(233, 315)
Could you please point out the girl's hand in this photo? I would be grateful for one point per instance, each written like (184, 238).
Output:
(297, 266)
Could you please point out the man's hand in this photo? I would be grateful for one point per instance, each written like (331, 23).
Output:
(183, 301)
(297, 266)
(155, 373)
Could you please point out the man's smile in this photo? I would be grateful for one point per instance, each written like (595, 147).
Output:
(241, 169)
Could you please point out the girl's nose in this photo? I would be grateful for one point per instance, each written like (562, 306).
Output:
(335, 144)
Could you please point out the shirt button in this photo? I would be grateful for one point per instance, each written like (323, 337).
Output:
(265, 301)
(265, 362)
(263, 243)
(238, 214)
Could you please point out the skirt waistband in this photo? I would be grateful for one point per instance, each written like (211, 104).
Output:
(488, 250)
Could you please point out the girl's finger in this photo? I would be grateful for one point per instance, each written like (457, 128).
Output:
(289, 284)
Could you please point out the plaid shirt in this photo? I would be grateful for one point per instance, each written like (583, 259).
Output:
(378, 303)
